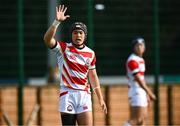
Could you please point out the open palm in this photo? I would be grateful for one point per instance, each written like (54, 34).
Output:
(60, 13)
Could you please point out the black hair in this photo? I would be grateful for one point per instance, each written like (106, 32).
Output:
(137, 39)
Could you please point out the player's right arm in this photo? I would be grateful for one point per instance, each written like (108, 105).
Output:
(49, 37)
(50, 33)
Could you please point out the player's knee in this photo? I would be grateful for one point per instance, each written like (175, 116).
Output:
(68, 119)
(139, 121)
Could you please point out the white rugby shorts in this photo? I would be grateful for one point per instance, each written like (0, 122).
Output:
(74, 101)
(138, 97)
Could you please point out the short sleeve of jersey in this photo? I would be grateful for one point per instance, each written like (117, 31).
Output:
(133, 66)
(59, 47)
(92, 65)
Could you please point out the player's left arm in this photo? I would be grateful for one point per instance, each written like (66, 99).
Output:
(94, 81)
(143, 84)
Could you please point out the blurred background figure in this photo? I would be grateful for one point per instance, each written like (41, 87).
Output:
(139, 94)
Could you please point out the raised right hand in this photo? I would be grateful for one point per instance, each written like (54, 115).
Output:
(60, 13)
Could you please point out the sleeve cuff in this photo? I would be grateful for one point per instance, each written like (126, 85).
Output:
(54, 45)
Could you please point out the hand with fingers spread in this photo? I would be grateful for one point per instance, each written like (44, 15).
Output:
(60, 13)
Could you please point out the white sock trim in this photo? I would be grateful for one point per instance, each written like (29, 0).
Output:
(127, 124)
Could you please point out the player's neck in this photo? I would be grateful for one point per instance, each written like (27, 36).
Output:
(78, 46)
(138, 54)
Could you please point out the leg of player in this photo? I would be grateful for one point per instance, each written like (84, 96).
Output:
(145, 122)
(68, 119)
(85, 118)
(137, 115)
